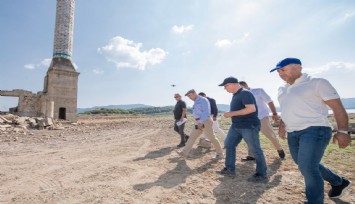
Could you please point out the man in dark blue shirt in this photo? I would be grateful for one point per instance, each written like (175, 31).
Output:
(245, 125)
(180, 118)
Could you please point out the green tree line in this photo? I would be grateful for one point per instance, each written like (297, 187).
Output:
(146, 110)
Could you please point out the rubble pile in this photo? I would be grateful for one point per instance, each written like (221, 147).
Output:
(13, 123)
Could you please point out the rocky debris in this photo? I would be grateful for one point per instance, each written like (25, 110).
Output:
(13, 123)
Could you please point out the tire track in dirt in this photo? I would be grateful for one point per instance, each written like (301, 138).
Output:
(52, 188)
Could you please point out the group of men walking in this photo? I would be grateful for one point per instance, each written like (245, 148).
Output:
(304, 102)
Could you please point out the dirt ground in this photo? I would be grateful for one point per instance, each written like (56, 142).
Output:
(133, 159)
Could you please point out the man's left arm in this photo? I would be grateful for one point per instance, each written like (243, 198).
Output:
(249, 108)
(342, 120)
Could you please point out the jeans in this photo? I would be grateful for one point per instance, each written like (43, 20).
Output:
(180, 130)
(251, 137)
(307, 148)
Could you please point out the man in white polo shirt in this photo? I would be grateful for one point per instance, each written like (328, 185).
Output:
(304, 117)
(264, 103)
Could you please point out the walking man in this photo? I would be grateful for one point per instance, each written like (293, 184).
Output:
(304, 117)
(262, 101)
(216, 128)
(180, 118)
(203, 122)
(245, 125)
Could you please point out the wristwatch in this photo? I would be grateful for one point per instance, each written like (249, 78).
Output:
(344, 132)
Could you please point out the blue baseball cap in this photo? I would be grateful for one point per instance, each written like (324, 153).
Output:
(286, 62)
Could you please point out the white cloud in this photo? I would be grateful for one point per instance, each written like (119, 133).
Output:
(46, 62)
(43, 64)
(182, 29)
(98, 71)
(339, 67)
(226, 42)
(126, 53)
(223, 43)
(344, 17)
(29, 66)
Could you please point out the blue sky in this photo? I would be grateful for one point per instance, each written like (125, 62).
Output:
(131, 51)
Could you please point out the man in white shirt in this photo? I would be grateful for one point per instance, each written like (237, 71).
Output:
(304, 103)
(262, 101)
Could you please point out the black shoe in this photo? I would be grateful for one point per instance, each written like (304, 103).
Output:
(281, 153)
(338, 191)
(181, 145)
(248, 158)
(186, 138)
(258, 178)
(225, 172)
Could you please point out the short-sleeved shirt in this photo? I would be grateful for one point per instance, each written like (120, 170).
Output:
(262, 99)
(302, 103)
(241, 98)
(179, 106)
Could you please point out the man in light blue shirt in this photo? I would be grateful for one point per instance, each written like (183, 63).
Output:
(203, 123)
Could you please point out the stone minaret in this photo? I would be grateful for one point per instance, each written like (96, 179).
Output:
(61, 81)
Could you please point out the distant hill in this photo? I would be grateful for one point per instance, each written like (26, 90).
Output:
(349, 103)
(223, 107)
(123, 107)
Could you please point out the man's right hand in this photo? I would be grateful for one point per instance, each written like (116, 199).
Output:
(342, 139)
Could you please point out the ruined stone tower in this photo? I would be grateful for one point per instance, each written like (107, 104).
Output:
(61, 81)
(58, 100)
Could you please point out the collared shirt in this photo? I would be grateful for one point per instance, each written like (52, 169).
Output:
(262, 99)
(241, 98)
(302, 103)
(179, 106)
(201, 108)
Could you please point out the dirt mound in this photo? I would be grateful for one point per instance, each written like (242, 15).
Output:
(133, 159)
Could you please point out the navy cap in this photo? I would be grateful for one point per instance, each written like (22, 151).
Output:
(286, 62)
(229, 80)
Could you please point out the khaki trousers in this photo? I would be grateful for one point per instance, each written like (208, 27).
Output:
(267, 130)
(208, 130)
(217, 129)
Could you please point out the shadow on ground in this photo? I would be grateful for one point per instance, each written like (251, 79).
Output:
(239, 190)
(156, 154)
(178, 175)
